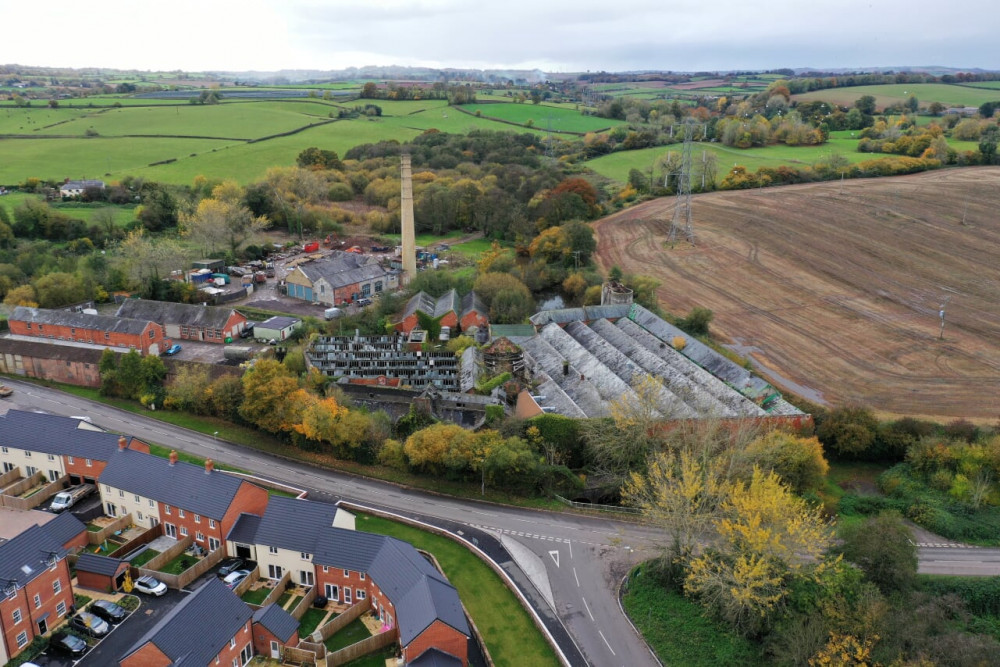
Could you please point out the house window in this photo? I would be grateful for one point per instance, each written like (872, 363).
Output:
(246, 654)
(180, 513)
(197, 518)
(139, 515)
(347, 574)
(22, 638)
(332, 592)
(38, 600)
(166, 509)
(137, 497)
(272, 550)
(152, 334)
(325, 569)
(107, 488)
(27, 454)
(56, 586)
(29, 325)
(68, 458)
(211, 523)
(199, 536)
(184, 531)
(107, 335)
(232, 643)
(121, 493)
(61, 609)
(41, 326)
(72, 331)
(378, 286)
(362, 594)
(89, 463)
(362, 574)
(151, 503)
(274, 571)
(213, 544)
(17, 616)
(51, 457)
(5, 451)
(304, 556)
(306, 577)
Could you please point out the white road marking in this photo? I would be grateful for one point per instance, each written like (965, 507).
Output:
(570, 543)
(606, 642)
(555, 557)
(589, 613)
(576, 577)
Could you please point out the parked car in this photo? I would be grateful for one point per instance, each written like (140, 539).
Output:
(233, 579)
(172, 350)
(229, 566)
(109, 611)
(64, 642)
(150, 586)
(365, 301)
(89, 624)
(66, 499)
(247, 330)
(5, 391)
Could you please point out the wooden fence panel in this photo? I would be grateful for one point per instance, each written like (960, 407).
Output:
(279, 588)
(304, 603)
(244, 585)
(292, 654)
(338, 623)
(137, 542)
(363, 647)
(10, 477)
(121, 523)
(201, 567)
(165, 557)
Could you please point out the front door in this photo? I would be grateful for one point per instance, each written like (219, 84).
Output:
(275, 653)
(43, 627)
(347, 595)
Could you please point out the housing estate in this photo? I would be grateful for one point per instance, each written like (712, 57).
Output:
(57, 446)
(145, 336)
(210, 324)
(340, 278)
(187, 499)
(35, 590)
(399, 585)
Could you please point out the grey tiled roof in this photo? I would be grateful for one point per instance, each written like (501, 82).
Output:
(245, 529)
(98, 564)
(24, 557)
(289, 523)
(344, 277)
(64, 527)
(447, 302)
(197, 629)
(472, 303)
(434, 657)
(277, 621)
(54, 434)
(211, 317)
(79, 320)
(421, 301)
(183, 485)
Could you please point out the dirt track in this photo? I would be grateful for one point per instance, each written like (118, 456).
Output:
(835, 296)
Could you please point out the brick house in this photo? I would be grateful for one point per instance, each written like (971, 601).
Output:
(401, 588)
(185, 321)
(212, 626)
(341, 278)
(35, 590)
(474, 313)
(187, 499)
(61, 363)
(274, 628)
(447, 307)
(60, 325)
(58, 446)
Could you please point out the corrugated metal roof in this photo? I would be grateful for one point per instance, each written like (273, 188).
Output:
(54, 434)
(98, 564)
(79, 320)
(421, 301)
(278, 322)
(182, 485)
(24, 557)
(197, 629)
(277, 621)
(175, 313)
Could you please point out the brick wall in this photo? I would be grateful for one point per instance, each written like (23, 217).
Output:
(262, 638)
(440, 636)
(85, 374)
(42, 585)
(147, 656)
(55, 332)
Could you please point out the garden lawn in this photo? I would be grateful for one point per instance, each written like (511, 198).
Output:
(510, 635)
(352, 633)
(178, 564)
(678, 631)
(310, 621)
(256, 596)
(145, 557)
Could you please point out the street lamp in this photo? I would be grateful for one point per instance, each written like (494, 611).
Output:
(215, 436)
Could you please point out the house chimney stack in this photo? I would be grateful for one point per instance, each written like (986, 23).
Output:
(406, 217)
(209, 466)
(122, 443)
(173, 456)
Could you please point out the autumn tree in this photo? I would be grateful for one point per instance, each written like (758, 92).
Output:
(60, 288)
(187, 390)
(223, 219)
(141, 256)
(23, 295)
(508, 299)
(799, 462)
(268, 388)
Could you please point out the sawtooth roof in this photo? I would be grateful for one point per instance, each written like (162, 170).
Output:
(197, 629)
(182, 485)
(66, 318)
(211, 317)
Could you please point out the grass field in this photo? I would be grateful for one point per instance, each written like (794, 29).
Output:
(947, 94)
(510, 635)
(123, 214)
(544, 117)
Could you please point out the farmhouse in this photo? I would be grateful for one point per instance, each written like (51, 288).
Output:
(60, 325)
(185, 321)
(35, 589)
(399, 586)
(77, 188)
(187, 499)
(58, 446)
(341, 278)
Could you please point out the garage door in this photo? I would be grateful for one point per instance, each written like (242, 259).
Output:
(308, 294)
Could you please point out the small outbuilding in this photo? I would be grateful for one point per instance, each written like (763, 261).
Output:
(100, 573)
(277, 328)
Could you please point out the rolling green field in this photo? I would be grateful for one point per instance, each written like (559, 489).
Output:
(123, 214)
(559, 119)
(991, 85)
(31, 120)
(947, 94)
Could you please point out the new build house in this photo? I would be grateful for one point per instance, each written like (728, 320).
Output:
(184, 321)
(187, 499)
(58, 446)
(400, 586)
(145, 336)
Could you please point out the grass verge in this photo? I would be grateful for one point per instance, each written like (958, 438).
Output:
(510, 634)
(677, 629)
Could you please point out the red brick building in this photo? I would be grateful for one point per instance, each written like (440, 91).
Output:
(212, 626)
(273, 629)
(100, 573)
(474, 312)
(59, 325)
(184, 321)
(446, 307)
(35, 590)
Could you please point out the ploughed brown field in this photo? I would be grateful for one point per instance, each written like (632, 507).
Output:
(834, 289)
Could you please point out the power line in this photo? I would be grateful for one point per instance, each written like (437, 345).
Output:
(680, 225)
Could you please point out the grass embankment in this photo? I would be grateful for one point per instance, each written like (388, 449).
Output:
(510, 635)
(677, 629)
(254, 439)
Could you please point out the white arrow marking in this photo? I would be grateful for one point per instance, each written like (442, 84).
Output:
(555, 557)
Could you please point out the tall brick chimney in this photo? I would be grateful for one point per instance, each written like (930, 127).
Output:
(209, 466)
(409, 241)
(122, 443)
(173, 456)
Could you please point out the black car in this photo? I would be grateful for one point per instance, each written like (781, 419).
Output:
(229, 566)
(247, 330)
(109, 611)
(63, 642)
(89, 624)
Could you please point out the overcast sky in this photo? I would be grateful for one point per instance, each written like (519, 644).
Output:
(551, 35)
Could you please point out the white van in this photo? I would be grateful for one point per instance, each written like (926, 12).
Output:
(66, 499)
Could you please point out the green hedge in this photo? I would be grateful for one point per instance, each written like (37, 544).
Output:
(980, 594)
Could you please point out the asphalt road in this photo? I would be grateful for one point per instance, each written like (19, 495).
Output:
(584, 558)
